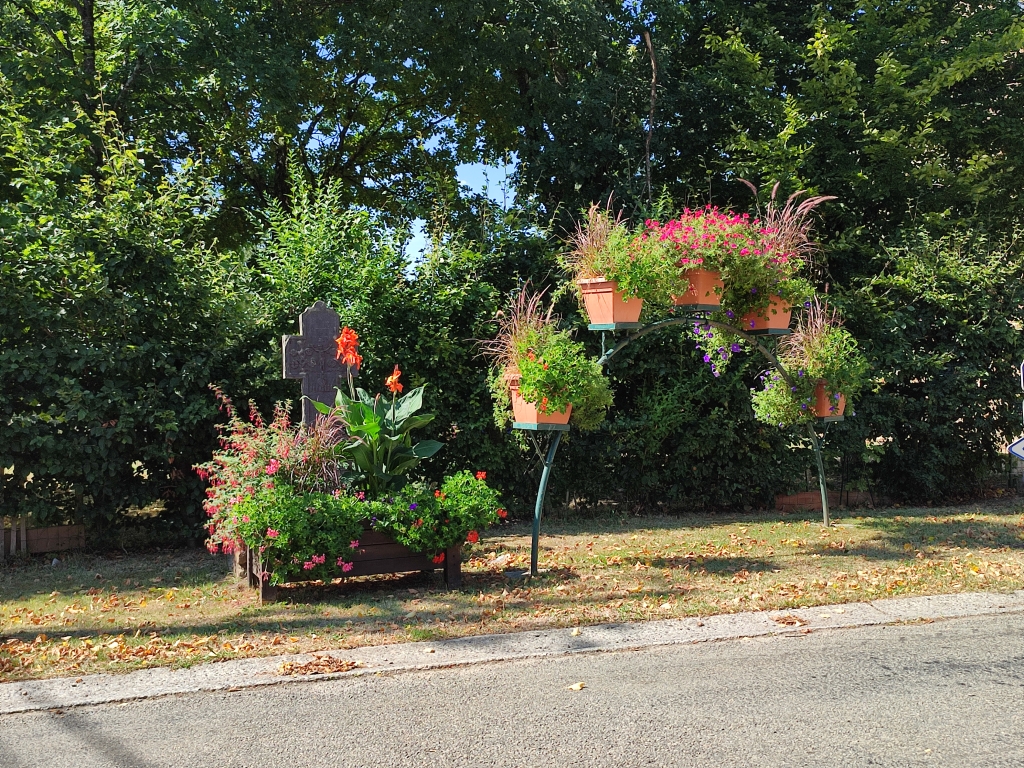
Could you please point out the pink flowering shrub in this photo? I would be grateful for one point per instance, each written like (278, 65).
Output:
(301, 535)
(255, 456)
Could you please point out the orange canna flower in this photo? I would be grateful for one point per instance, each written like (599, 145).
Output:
(391, 382)
(347, 344)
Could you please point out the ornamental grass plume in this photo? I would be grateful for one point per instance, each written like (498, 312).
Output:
(526, 317)
(589, 243)
(801, 348)
(788, 228)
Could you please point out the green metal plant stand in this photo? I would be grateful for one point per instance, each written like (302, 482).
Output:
(636, 331)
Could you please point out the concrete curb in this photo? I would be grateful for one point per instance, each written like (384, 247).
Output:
(60, 693)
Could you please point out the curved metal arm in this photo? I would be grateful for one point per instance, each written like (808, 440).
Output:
(689, 319)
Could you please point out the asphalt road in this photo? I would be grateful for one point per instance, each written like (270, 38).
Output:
(942, 694)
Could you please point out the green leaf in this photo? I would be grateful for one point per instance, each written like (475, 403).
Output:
(427, 448)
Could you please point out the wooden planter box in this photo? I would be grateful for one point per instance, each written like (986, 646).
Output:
(54, 538)
(377, 553)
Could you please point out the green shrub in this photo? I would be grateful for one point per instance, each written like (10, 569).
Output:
(940, 324)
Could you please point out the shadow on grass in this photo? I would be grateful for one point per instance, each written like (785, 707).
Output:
(716, 565)
(301, 607)
(34, 576)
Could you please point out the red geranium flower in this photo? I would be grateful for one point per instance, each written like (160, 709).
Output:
(472, 537)
(481, 475)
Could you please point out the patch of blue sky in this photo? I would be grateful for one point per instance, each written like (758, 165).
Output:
(492, 181)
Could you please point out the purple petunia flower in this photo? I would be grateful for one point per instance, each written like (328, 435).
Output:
(730, 314)
(707, 358)
(413, 506)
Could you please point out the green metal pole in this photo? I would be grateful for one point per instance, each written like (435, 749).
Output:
(538, 510)
(825, 519)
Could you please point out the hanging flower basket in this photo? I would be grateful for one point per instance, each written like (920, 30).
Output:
(606, 304)
(770, 321)
(827, 405)
(704, 293)
(524, 412)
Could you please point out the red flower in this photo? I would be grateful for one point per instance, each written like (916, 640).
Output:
(472, 537)
(418, 523)
(391, 382)
(438, 559)
(502, 514)
(481, 475)
(437, 494)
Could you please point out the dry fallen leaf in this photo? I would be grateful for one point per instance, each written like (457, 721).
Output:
(576, 687)
(320, 665)
(789, 620)
(576, 632)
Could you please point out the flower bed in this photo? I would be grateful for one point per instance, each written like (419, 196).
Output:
(334, 499)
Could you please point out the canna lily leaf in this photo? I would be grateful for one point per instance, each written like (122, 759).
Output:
(413, 422)
(408, 404)
(427, 448)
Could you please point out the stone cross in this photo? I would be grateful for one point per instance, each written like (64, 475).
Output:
(312, 357)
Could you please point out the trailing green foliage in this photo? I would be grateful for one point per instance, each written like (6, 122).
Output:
(431, 522)
(819, 355)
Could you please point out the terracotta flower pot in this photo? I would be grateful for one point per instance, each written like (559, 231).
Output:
(529, 413)
(772, 321)
(825, 404)
(702, 294)
(606, 304)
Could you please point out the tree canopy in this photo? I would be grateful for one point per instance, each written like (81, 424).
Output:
(178, 180)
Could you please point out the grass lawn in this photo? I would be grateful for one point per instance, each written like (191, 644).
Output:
(95, 613)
